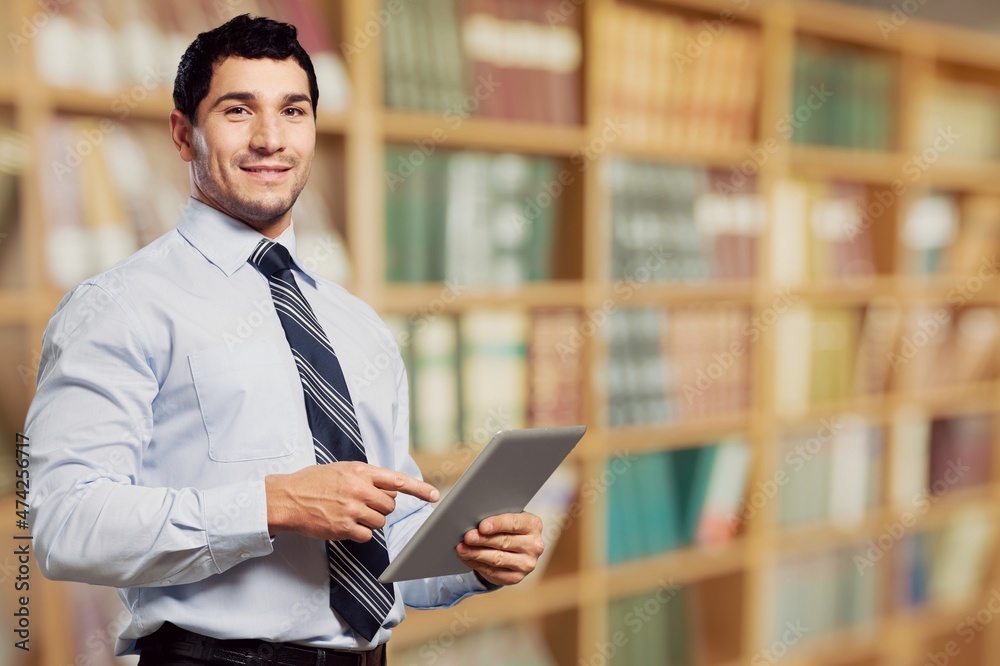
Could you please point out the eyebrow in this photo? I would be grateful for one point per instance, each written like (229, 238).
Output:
(244, 96)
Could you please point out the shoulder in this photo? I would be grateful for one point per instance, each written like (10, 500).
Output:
(115, 288)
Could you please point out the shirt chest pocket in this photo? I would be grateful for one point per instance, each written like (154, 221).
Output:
(245, 401)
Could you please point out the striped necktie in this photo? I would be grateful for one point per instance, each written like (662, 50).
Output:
(355, 592)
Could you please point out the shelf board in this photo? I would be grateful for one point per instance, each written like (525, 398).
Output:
(872, 407)
(962, 46)
(483, 133)
(931, 619)
(854, 291)
(826, 535)
(963, 176)
(721, 157)
(943, 288)
(520, 602)
(434, 297)
(844, 645)
(945, 401)
(648, 439)
(843, 22)
(153, 105)
(626, 293)
(952, 400)
(752, 10)
(677, 567)
(846, 163)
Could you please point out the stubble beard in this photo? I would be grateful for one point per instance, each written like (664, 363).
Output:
(259, 214)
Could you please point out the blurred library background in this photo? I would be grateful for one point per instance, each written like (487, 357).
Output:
(751, 243)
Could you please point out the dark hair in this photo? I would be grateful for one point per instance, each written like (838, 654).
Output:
(241, 37)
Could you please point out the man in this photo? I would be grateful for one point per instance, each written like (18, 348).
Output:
(244, 496)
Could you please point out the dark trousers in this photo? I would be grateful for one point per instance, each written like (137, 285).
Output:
(173, 646)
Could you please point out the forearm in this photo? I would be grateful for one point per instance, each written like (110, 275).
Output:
(101, 531)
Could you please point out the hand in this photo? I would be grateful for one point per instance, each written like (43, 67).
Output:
(338, 501)
(504, 549)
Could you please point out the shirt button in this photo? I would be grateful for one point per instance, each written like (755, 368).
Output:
(166, 582)
(245, 554)
(458, 578)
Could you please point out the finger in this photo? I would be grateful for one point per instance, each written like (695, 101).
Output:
(497, 559)
(360, 534)
(511, 523)
(371, 519)
(380, 501)
(386, 479)
(529, 544)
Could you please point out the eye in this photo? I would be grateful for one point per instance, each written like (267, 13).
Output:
(295, 111)
(237, 111)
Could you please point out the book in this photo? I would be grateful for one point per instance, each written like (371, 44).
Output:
(962, 558)
(670, 89)
(843, 96)
(961, 450)
(930, 226)
(911, 428)
(555, 368)
(436, 417)
(728, 472)
(493, 373)
(679, 223)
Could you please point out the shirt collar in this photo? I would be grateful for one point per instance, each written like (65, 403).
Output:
(225, 241)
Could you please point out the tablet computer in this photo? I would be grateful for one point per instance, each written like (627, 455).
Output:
(502, 479)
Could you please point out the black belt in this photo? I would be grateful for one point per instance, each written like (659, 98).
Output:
(174, 641)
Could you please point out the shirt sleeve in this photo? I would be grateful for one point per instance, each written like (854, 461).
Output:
(410, 514)
(88, 425)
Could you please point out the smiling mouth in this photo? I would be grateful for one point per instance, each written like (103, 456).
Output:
(269, 169)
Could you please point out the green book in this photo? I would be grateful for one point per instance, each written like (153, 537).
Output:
(659, 507)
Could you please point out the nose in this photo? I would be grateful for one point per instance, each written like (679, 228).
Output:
(266, 137)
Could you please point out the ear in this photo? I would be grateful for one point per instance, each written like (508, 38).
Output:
(181, 132)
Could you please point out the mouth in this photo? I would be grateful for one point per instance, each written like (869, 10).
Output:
(266, 172)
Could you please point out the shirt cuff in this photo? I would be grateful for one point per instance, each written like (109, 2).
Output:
(485, 584)
(236, 523)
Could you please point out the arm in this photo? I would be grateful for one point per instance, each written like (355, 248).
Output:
(88, 425)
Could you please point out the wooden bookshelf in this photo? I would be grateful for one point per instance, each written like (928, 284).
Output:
(584, 592)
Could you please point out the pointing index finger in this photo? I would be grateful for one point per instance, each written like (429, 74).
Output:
(390, 480)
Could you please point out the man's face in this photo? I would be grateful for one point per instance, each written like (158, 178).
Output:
(253, 146)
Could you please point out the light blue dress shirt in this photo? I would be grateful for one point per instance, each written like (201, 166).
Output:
(166, 392)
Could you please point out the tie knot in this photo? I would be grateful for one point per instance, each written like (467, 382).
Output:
(270, 257)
